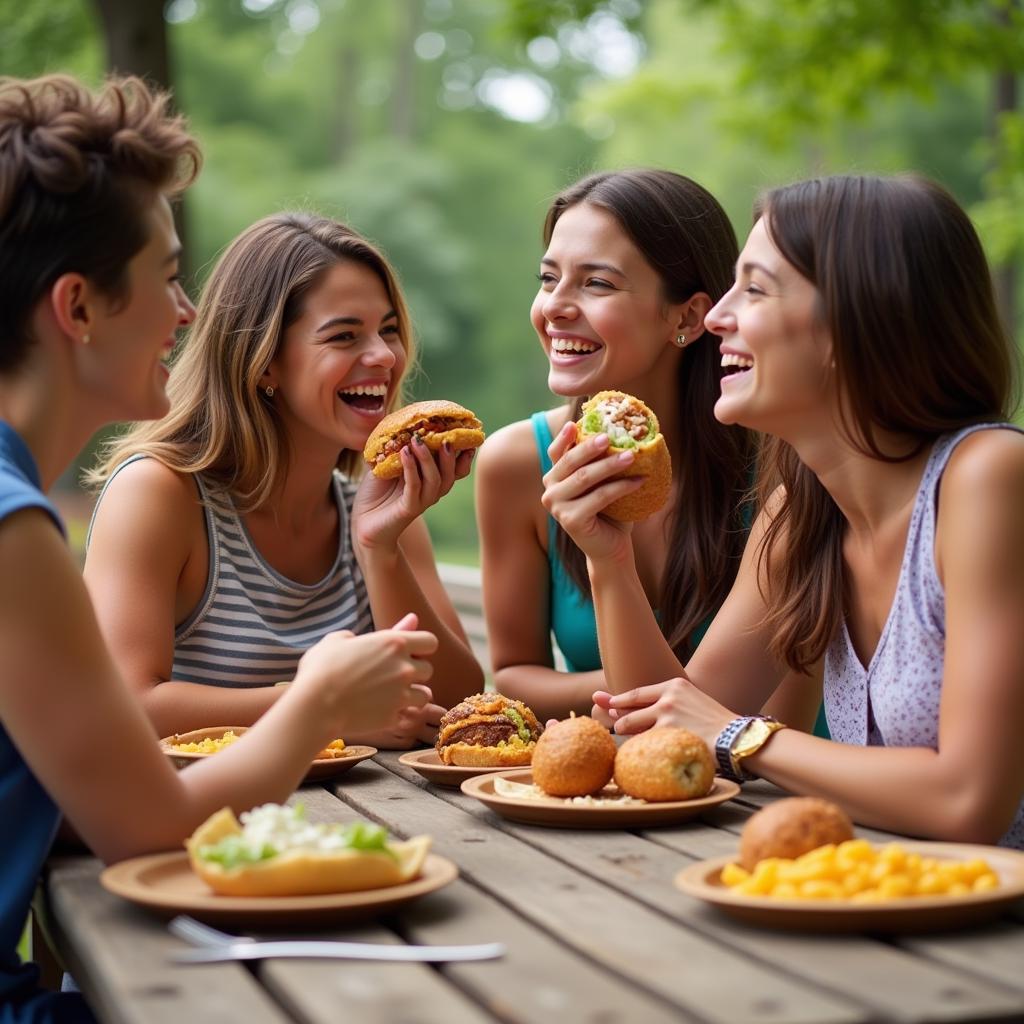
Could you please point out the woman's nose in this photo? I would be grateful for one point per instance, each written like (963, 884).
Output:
(720, 317)
(186, 311)
(379, 353)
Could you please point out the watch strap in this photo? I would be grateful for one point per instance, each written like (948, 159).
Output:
(723, 747)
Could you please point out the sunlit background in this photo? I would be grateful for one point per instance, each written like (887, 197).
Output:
(441, 129)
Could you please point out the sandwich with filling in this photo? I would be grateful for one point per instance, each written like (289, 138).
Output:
(630, 426)
(488, 730)
(435, 423)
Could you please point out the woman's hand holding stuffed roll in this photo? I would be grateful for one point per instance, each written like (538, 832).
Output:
(581, 483)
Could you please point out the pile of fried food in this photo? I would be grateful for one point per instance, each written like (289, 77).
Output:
(804, 848)
(577, 758)
(275, 851)
(211, 744)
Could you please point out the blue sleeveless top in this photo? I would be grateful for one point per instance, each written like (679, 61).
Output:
(29, 815)
(894, 700)
(573, 620)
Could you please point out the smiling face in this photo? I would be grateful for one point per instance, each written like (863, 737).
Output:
(776, 355)
(123, 366)
(339, 362)
(600, 314)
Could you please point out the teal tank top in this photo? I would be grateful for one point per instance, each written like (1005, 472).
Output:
(573, 620)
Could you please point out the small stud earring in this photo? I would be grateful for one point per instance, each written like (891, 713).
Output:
(86, 338)
(269, 391)
(681, 340)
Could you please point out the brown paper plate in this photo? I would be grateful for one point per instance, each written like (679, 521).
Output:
(321, 768)
(430, 766)
(907, 915)
(165, 883)
(558, 812)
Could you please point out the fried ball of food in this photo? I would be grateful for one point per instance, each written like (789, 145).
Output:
(665, 763)
(574, 757)
(792, 827)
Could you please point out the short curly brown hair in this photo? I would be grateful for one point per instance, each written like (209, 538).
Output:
(77, 171)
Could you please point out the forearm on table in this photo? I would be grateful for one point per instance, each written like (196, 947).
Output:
(395, 591)
(548, 692)
(634, 652)
(267, 764)
(909, 790)
(176, 706)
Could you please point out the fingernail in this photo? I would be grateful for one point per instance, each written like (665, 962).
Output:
(416, 439)
(626, 457)
(601, 441)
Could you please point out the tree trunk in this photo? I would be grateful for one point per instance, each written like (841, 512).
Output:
(135, 35)
(403, 100)
(1006, 101)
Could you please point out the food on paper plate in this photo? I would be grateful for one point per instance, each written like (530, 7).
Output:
(487, 730)
(665, 763)
(434, 422)
(275, 851)
(211, 744)
(631, 425)
(858, 872)
(574, 757)
(792, 827)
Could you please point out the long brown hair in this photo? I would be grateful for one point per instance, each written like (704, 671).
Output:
(221, 423)
(685, 235)
(78, 171)
(905, 293)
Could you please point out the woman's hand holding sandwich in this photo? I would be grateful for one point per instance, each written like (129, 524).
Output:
(384, 509)
(582, 482)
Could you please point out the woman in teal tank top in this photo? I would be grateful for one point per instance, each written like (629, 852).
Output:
(634, 260)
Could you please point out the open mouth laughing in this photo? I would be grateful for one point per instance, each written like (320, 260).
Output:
(735, 366)
(571, 350)
(368, 399)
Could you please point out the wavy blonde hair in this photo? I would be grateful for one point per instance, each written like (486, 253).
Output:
(221, 423)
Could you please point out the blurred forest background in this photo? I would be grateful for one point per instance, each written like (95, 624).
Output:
(442, 128)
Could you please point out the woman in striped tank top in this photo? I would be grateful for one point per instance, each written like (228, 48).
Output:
(232, 535)
(887, 564)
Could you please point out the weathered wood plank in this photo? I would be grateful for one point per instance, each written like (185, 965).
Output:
(537, 978)
(698, 975)
(890, 982)
(118, 955)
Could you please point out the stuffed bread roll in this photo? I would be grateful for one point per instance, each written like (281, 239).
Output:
(435, 422)
(276, 852)
(629, 424)
(487, 730)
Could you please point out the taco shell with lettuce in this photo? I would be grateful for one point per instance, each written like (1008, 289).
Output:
(274, 851)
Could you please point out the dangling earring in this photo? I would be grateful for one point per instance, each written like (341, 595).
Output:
(681, 340)
(269, 391)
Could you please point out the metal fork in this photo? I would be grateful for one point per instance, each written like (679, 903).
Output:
(198, 934)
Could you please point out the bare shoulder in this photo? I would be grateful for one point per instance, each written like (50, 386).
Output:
(509, 458)
(147, 500)
(987, 464)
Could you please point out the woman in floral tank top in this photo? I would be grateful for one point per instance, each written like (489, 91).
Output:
(886, 566)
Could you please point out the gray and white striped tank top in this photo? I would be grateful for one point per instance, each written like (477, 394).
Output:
(894, 701)
(252, 624)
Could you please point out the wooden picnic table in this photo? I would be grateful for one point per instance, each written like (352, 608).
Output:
(595, 932)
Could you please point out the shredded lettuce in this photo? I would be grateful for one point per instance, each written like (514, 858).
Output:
(234, 851)
(517, 720)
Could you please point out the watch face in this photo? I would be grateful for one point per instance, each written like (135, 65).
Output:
(752, 737)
